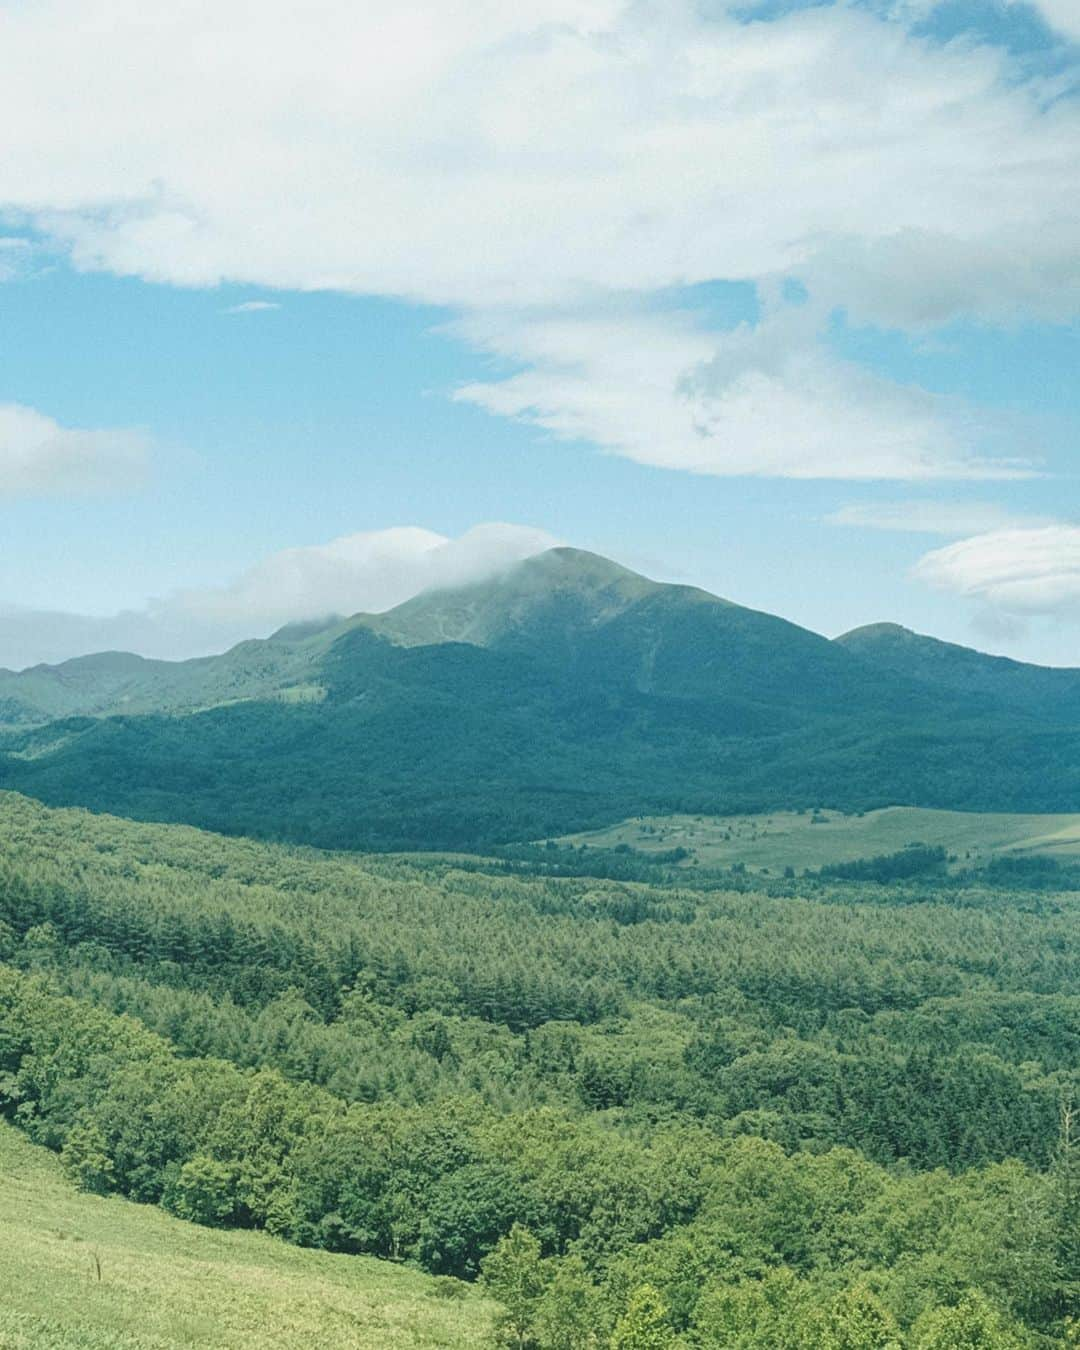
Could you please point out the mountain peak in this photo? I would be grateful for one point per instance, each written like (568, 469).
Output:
(566, 589)
(876, 632)
(993, 680)
(577, 564)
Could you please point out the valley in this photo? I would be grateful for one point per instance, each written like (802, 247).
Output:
(344, 1089)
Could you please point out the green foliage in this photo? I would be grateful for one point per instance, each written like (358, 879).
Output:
(917, 860)
(566, 1315)
(771, 1311)
(728, 1101)
(85, 1159)
(857, 1320)
(971, 1324)
(203, 1190)
(514, 1274)
(644, 1325)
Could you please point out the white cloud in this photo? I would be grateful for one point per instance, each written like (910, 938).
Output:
(362, 572)
(768, 400)
(372, 572)
(918, 279)
(552, 154)
(1064, 15)
(931, 517)
(252, 307)
(479, 152)
(40, 457)
(1021, 572)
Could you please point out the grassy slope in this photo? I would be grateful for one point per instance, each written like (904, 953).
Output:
(785, 839)
(168, 1283)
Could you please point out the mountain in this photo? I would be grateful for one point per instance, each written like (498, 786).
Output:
(571, 611)
(563, 694)
(594, 620)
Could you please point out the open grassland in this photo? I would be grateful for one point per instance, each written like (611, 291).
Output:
(810, 839)
(77, 1270)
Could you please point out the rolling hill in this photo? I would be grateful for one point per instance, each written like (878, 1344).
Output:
(566, 694)
(997, 681)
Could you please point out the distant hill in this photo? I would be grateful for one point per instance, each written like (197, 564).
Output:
(945, 666)
(118, 682)
(568, 610)
(563, 695)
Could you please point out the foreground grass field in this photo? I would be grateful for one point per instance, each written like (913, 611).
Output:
(812, 839)
(78, 1272)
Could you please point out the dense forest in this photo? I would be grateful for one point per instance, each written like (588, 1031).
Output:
(643, 1114)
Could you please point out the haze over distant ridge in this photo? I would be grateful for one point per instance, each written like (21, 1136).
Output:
(372, 571)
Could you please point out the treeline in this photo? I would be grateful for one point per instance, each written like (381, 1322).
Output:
(921, 862)
(917, 860)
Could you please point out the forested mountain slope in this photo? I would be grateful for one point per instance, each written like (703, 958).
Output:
(563, 695)
(119, 682)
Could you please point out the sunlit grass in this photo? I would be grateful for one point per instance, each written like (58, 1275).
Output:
(80, 1271)
(809, 839)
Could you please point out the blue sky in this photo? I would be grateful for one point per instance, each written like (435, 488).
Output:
(812, 343)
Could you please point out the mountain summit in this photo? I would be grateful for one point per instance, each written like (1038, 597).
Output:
(564, 591)
(594, 619)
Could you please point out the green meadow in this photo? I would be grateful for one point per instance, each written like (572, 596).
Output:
(86, 1272)
(809, 839)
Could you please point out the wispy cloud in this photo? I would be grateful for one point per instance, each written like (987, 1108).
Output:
(1061, 15)
(17, 257)
(541, 158)
(1019, 572)
(932, 517)
(371, 572)
(39, 457)
(1064, 15)
(770, 400)
(252, 307)
(527, 153)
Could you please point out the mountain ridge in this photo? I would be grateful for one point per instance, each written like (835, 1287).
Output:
(496, 612)
(564, 694)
